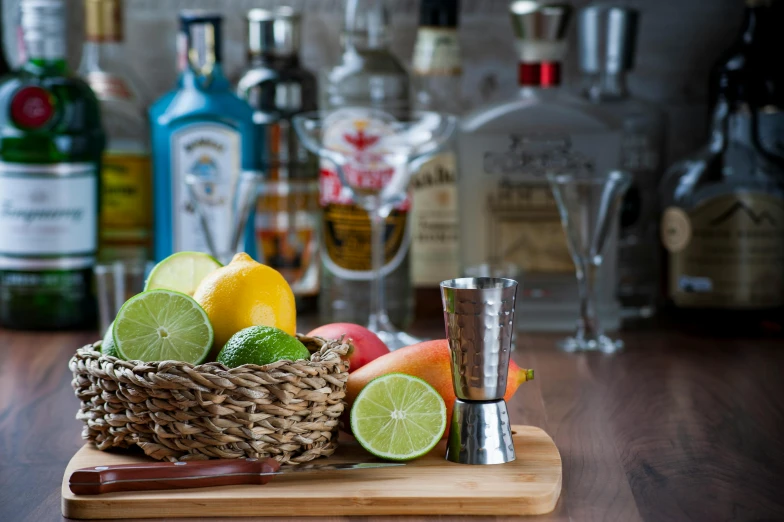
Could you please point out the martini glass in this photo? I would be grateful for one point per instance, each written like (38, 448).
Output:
(375, 154)
(223, 204)
(588, 203)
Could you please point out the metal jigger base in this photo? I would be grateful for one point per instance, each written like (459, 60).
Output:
(480, 433)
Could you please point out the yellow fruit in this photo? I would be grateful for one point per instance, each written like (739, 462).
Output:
(246, 293)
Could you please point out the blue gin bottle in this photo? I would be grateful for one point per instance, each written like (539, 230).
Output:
(199, 127)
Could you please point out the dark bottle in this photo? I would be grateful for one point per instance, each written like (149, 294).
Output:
(277, 87)
(4, 67)
(723, 222)
(51, 141)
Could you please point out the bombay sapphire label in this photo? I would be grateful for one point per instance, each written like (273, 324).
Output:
(506, 179)
(210, 153)
(47, 211)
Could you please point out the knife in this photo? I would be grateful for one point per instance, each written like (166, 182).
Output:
(191, 474)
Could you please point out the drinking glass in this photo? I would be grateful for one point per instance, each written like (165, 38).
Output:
(116, 283)
(223, 205)
(376, 172)
(588, 203)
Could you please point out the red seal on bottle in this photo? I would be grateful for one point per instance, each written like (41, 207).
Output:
(32, 107)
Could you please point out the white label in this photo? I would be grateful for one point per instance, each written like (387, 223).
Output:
(211, 151)
(434, 232)
(48, 210)
(508, 213)
(437, 52)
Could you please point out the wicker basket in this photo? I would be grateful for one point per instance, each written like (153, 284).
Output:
(177, 411)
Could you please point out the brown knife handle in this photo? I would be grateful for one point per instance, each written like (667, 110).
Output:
(171, 475)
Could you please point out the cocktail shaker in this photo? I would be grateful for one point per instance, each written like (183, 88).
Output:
(479, 319)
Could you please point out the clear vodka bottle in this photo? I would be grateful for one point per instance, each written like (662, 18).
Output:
(508, 214)
(368, 75)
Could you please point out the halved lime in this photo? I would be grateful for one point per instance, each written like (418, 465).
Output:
(181, 272)
(398, 417)
(161, 325)
(107, 346)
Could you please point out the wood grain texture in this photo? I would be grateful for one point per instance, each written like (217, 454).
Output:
(676, 427)
(430, 485)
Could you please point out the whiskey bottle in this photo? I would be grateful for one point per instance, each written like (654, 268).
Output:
(434, 228)
(606, 44)
(723, 222)
(51, 141)
(126, 173)
(369, 75)
(288, 221)
(509, 219)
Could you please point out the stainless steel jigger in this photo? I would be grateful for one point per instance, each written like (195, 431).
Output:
(479, 317)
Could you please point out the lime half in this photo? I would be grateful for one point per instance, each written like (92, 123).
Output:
(398, 417)
(161, 325)
(181, 272)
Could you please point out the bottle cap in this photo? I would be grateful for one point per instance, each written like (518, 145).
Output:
(540, 29)
(606, 37)
(43, 28)
(275, 32)
(200, 40)
(103, 20)
(438, 13)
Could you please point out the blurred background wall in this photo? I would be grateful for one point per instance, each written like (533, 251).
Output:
(678, 41)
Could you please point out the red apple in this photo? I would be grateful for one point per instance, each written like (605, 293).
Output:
(367, 345)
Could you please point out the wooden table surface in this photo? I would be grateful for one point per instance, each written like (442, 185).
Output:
(676, 427)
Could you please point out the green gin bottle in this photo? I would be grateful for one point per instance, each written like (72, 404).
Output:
(51, 141)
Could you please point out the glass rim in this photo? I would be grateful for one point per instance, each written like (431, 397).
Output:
(588, 179)
(321, 114)
(478, 283)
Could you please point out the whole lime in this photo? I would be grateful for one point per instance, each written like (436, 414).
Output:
(107, 346)
(261, 345)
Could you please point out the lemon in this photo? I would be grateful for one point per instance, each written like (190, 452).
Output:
(246, 293)
(261, 345)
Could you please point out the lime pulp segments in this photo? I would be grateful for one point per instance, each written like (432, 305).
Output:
(181, 272)
(162, 325)
(398, 417)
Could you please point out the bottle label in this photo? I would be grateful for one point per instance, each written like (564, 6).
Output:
(726, 252)
(207, 151)
(287, 210)
(347, 234)
(437, 52)
(48, 211)
(434, 233)
(108, 86)
(126, 194)
(508, 213)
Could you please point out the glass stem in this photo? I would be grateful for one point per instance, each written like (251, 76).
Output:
(377, 320)
(588, 327)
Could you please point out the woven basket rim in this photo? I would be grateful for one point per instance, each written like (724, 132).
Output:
(134, 363)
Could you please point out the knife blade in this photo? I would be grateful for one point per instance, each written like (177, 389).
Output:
(193, 474)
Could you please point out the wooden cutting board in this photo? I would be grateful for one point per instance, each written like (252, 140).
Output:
(428, 486)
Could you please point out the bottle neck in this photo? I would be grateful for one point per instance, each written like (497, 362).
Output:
(199, 55)
(604, 86)
(100, 56)
(43, 30)
(544, 75)
(366, 25)
(274, 61)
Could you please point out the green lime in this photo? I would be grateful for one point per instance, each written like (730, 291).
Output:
(107, 346)
(398, 417)
(161, 325)
(181, 272)
(261, 345)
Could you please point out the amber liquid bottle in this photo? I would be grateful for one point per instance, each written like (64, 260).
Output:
(723, 219)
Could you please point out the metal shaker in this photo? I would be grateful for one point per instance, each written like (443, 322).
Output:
(479, 319)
